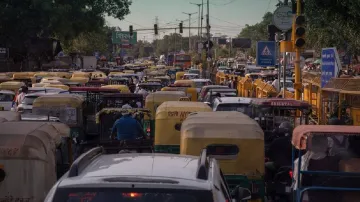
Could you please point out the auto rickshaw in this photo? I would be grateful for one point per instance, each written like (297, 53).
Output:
(179, 75)
(80, 80)
(11, 85)
(35, 155)
(4, 78)
(154, 100)
(26, 77)
(165, 80)
(330, 177)
(67, 107)
(121, 88)
(190, 92)
(235, 140)
(186, 82)
(168, 119)
(81, 75)
(60, 86)
(105, 120)
(9, 116)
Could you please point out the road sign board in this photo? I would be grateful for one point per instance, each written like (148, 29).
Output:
(266, 53)
(283, 18)
(124, 38)
(330, 65)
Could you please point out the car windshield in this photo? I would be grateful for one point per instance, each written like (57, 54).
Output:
(240, 107)
(29, 100)
(133, 195)
(6, 97)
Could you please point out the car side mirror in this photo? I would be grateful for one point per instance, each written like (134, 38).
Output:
(178, 126)
(241, 194)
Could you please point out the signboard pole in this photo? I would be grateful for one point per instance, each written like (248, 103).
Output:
(284, 74)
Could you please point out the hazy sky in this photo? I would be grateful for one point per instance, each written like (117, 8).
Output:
(227, 17)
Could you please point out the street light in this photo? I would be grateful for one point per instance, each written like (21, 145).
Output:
(189, 27)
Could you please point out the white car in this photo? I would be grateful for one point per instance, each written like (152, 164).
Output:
(191, 76)
(6, 99)
(25, 107)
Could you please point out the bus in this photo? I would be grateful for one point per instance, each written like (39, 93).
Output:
(182, 60)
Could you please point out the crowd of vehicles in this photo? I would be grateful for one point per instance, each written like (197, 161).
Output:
(198, 141)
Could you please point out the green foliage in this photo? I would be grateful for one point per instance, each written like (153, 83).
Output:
(20, 20)
(257, 32)
(332, 23)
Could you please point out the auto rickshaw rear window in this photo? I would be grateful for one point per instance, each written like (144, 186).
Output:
(222, 150)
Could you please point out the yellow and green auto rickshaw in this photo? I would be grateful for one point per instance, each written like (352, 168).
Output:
(168, 119)
(235, 140)
(67, 107)
(154, 100)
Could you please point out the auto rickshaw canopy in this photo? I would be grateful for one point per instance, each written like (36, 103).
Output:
(302, 133)
(65, 100)
(228, 125)
(185, 83)
(171, 109)
(31, 139)
(11, 85)
(121, 88)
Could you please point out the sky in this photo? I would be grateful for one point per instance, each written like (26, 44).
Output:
(227, 17)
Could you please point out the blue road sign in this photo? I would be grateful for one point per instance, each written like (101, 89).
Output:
(329, 65)
(266, 53)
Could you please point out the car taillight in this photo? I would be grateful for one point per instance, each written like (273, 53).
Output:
(148, 130)
(291, 173)
(132, 195)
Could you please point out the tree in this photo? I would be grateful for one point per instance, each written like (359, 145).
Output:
(23, 20)
(332, 23)
(257, 32)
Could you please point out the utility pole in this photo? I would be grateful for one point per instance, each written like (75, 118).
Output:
(189, 27)
(199, 5)
(202, 17)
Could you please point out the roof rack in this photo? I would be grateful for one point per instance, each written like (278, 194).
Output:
(84, 160)
(203, 167)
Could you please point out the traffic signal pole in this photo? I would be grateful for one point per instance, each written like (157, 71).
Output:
(297, 59)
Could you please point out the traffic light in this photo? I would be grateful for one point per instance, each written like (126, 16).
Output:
(181, 27)
(156, 29)
(299, 32)
(131, 30)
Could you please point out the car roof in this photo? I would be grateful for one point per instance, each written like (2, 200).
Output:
(179, 168)
(230, 100)
(200, 80)
(40, 94)
(7, 92)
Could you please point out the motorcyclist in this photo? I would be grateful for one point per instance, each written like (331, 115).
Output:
(127, 128)
(280, 150)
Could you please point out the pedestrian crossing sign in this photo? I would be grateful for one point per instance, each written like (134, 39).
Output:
(266, 51)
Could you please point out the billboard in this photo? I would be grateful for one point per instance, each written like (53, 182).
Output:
(241, 43)
(124, 38)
